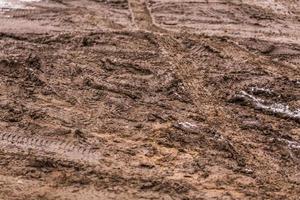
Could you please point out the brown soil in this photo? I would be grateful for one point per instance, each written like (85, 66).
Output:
(158, 99)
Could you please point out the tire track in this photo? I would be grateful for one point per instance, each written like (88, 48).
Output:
(141, 16)
(186, 69)
(61, 150)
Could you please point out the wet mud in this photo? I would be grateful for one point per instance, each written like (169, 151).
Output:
(158, 99)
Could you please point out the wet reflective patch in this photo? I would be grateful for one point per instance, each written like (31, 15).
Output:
(15, 4)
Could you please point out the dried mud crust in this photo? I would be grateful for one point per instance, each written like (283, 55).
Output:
(121, 104)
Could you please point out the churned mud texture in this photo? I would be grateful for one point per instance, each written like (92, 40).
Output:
(149, 99)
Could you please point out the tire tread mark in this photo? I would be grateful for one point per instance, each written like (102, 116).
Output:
(66, 148)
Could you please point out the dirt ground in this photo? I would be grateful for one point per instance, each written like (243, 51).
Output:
(157, 99)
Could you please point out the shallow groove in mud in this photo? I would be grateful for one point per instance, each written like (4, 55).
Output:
(68, 150)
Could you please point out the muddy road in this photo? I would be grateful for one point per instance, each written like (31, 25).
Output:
(157, 99)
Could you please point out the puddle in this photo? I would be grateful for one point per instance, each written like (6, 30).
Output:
(270, 107)
(15, 4)
(293, 146)
(187, 127)
(258, 90)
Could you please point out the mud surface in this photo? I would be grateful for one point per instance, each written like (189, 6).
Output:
(158, 99)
